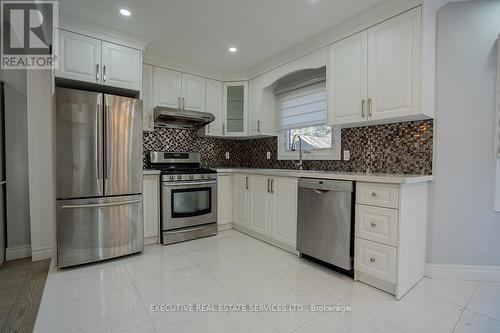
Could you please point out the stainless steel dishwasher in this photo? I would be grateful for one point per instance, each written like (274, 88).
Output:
(324, 222)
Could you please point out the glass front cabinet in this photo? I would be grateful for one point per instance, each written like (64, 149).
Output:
(235, 108)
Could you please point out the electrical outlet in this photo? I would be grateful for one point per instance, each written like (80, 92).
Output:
(347, 155)
(268, 155)
(227, 155)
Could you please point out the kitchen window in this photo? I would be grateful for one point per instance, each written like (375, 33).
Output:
(301, 109)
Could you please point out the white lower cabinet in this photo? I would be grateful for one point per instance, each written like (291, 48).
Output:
(240, 204)
(284, 210)
(390, 235)
(266, 207)
(151, 208)
(224, 201)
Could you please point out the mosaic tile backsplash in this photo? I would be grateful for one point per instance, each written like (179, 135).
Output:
(404, 148)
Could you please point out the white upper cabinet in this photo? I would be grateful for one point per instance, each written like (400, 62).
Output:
(167, 85)
(193, 92)
(121, 66)
(394, 62)
(375, 75)
(79, 57)
(213, 105)
(348, 79)
(88, 59)
(147, 98)
(254, 106)
(179, 90)
(235, 104)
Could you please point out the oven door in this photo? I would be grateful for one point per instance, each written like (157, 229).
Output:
(187, 204)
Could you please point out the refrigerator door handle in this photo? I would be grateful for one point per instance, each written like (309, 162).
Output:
(107, 133)
(121, 203)
(4, 182)
(99, 137)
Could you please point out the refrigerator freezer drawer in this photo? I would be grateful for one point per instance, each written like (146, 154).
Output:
(100, 228)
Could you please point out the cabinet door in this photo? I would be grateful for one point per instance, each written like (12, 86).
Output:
(394, 67)
(259, 204)
(167, 86)
(348, 80)
(121, 66)
(213, 105)
(254, 107)
(147, 98)
(284, 210)
(193, 92)
(240, 204)
(235, 108)
(151, 211)
(225, 199)
(79, 57)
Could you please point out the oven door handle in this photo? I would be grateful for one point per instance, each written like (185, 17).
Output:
(192, 184)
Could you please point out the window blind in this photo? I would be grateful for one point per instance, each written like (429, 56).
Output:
(302, 107)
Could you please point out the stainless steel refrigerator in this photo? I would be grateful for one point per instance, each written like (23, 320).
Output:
(99, 176)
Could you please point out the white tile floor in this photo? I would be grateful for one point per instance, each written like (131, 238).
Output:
(232, 268)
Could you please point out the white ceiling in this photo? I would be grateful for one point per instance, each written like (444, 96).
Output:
(199, 32)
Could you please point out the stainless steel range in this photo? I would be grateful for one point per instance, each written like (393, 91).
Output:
(188, 196)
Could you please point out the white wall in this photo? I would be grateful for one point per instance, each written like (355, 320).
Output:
(41, 163)
(464, 229)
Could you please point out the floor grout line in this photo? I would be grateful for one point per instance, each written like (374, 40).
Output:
(465, 307)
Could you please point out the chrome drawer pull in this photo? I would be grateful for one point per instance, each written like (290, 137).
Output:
(372, 259)
(373, 224)
(374, 194)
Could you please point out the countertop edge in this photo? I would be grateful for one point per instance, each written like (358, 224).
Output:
(371, 178)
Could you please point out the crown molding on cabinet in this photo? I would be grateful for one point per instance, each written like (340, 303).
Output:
(73, 24)
(158, 58)
(364, 20)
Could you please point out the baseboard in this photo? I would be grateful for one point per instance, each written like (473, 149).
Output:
(225, 226)
(151, 240)
(463, 272)
(17, 252)
(42, 253)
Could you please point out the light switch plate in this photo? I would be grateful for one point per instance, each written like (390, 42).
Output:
(227, 155)
(347, 155)
(268, 155)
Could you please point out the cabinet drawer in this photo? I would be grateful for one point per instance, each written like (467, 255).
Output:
(377, 224)
(383, 195)
(375, 259)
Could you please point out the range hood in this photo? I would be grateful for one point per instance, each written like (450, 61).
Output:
(183, 119)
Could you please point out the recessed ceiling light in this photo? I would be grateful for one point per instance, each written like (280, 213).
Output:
(125, 12)
(233, 49)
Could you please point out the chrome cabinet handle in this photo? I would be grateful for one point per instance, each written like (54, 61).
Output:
(121, 203)
(374, 194)
(372, 259)
(183, 103)
(104, 73)
(272, 185)
(369, 107)
(97, 73)
(363, 103)
(258, 126)
(268, 186)
(373, 224)
(246, 183)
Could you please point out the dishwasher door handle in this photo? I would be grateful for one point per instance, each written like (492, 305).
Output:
(320, 191)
